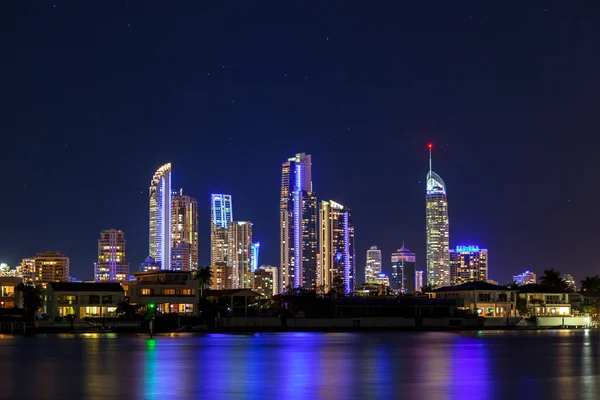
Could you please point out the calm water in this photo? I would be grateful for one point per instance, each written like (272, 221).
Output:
(484, 365)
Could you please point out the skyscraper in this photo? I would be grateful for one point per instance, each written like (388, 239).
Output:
(240, 242)
(337, 258)
(418, 281)
(51, 266)
(468, 264)
(112, 263)
(437, 230)
(403, 270)
(254, 256)
(298, 222)
(221, 211)
(160, 216)
(264, 281)
(373, 268)
(275, 276)
(222, 276)
(27, 270)
(184, 232)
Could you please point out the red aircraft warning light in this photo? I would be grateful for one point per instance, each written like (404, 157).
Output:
(430, 145)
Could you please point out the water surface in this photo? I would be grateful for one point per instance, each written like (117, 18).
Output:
(559, 364)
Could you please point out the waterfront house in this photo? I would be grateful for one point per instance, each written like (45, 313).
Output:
(82, 299)
(169, 291)
(9, 295)
(544, 301)
(481, 298)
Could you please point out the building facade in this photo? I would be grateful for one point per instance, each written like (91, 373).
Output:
(437, 230)
(336, 250)
(254, 256)
(171, 291)
(481, 298)
(221, 211)
(160, 216)
(373, 265)
(403, 271)
(26, 270)
(51, 266)
(112, 263)
(570, 281)
(526, 278)
(82, 300)
(9, 294)
(468, 264)
(275, 276)
(418, 281)
(297, 214)
(222, 276)
(184, 232)
(240, 243)
(264, 282)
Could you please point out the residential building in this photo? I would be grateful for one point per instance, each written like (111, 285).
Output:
(298, 216)
(222, 276)
(9, 295)
(403, 271)
(263, 282)
(184, 232)
(82, 299)
(149, 264)
(336, 250)
(112, 263)
(525, 278)
(170, 291)
(382, 279)
(254, 256)
(570, 281)
(468, 264)
(160, 217)
(240, 242)
(51, 266)
(481, 298)
(275, 274)
(373, 266)
(26, 270)
(418, 281)
(437, 230)
(221, 211)
(7, 271)
(543, 301)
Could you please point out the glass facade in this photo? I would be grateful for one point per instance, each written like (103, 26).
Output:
(468, 264)
(160, 216)
(437, 232)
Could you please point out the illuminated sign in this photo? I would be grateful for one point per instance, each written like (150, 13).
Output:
(469, 249)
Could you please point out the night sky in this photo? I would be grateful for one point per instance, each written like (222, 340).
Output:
(96, 95)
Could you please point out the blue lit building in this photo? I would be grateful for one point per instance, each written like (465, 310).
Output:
(403, 271)
(336, 250)
(221, 211)
(160, 217)
(468, 264)
(254, 256)
(298, 213)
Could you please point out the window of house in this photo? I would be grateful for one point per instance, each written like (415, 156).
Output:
(502, 297)
(484, 297)
(107, 299)
(186, 292)
(145, 292)
(94, 299)
(169, 292)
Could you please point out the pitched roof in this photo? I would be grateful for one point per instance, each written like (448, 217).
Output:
(536, 288)
(232, 292)
(480, 285)
(86, 287)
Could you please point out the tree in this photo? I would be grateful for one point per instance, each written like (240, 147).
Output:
(522, 307)
(338, 289)
(204, 275)
(32, 299)
(591, 284)
(552, 280)
(125, 308)
(426, 288)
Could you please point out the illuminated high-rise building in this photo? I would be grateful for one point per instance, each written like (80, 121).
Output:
(27, 270)
(418, 281)
(254, 256)
(336, 250)
(221, 215)
(373, 267)
(437, 230)
(240, 243)
(264, 282)
(184, 232)
(298, 215)
(160, 216)
(525, 278)
(468, 264)
(112, 263)
(274, 271)
(570, 281)
(222, 276)
(51, 266)
(403, 271)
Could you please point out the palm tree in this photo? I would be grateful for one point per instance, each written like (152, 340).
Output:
(204, 276)
(591, 284)
(32, 299)
(552, 279)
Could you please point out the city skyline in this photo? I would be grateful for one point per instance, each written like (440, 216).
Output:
(126, 90)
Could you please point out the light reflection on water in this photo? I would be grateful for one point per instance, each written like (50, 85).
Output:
(431, 365)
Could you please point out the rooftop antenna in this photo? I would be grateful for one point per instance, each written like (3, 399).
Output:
(430, 146)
